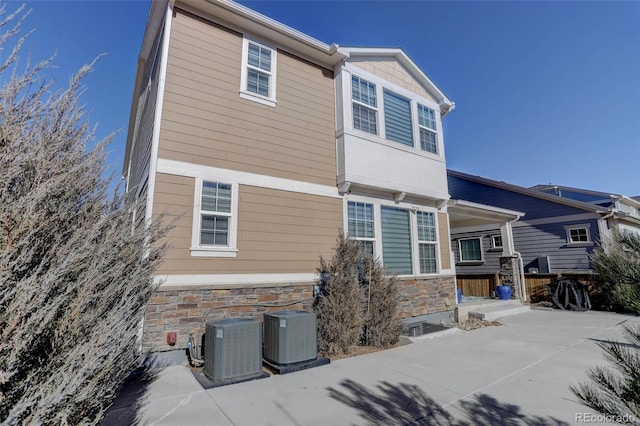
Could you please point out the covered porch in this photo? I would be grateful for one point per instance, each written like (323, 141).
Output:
(497, 263)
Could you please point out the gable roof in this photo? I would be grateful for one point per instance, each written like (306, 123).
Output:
(593, 208)
(398, 54)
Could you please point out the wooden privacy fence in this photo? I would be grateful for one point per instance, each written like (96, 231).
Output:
(477, 285)
(536, 284)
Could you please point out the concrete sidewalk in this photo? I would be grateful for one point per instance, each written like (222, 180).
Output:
(515, 374)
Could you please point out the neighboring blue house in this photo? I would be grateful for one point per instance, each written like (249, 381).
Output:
(624, 212)
(555, 235)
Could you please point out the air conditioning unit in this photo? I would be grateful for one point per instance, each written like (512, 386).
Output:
(290, 337)
(233, 348)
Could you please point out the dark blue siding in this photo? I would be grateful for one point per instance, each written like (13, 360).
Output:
(491, 257)
(535, 208)
(551, 240)
(532, 241)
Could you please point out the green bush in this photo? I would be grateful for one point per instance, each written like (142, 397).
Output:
(616, 391)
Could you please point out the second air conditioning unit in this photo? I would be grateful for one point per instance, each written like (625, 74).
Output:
(290, 337)
(233, 348)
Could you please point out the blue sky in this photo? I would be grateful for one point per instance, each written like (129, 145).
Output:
(545, 92)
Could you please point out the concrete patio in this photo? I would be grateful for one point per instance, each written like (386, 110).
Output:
(516, 374)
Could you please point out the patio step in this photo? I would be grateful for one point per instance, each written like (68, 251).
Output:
(491, 313)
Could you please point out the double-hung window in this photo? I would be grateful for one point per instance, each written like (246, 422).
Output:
(427, 242)
(428, 131)
(365, 106)
(215, 214)
(360, 224)
(258, 73)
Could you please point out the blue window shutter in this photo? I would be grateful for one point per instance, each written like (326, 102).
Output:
(397, 119)
(396, 240)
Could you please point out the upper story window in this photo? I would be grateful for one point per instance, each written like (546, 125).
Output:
(397, 118)
(428, 131)
(214, 221)
(363, 94)
(394, 113)
(258, 82)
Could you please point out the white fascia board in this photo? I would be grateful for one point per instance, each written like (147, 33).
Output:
(247, 21)
(446, 104)
(509, 214)
(626, 217)
(530, 192)
(629, 201)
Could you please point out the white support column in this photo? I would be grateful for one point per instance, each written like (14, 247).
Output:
(507, 239)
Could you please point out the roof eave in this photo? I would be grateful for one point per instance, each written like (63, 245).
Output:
(530, 192)
(506, 214)
(243, 19)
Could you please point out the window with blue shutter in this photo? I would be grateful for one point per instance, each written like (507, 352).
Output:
(396, 240)
(397, 119)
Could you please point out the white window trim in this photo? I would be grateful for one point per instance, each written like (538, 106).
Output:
(585, 226)
(415, 99)
(373, 212)
(198, 250)
(470, 262)
(418, 241)
(419, 126)
(375, 109)
(494, 246)
(413, 223)
(244, 93)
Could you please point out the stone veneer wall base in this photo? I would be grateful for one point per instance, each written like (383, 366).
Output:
(185, 310)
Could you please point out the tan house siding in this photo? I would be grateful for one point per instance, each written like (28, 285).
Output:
(445, 243)
(278, 231)
(394, 72)
(204, 120)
